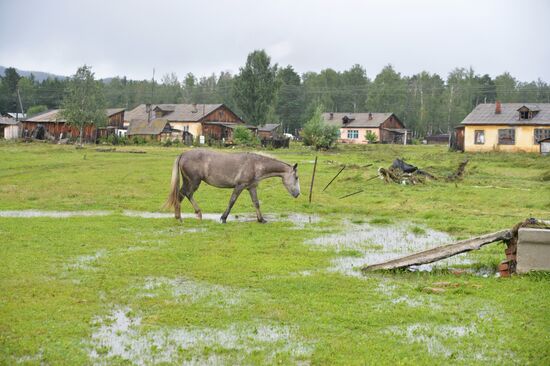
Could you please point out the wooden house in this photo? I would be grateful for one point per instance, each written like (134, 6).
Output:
(115, 123)
(354, 127)
(511, 127)
(195, 120)
(56, 127)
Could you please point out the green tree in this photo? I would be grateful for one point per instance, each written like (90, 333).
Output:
(289, 99)
(11, 80)
(36, 109)
(506, 87)
(255, 87)
(84, 103)
(318, 133)
(388, 92)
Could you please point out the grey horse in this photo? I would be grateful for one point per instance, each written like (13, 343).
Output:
(239, 171)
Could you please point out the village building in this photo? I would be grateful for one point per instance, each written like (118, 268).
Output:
(53, 126)
(9, 128)
(354, 127)
(269, 131)
(511, 127)
(188, 121)
(158, 129)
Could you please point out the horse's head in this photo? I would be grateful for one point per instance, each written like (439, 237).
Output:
(291, 181)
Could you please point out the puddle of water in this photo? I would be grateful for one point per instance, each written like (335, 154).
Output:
(191, 291)
(374, 244)
(389, 290)
(299, 220)
(87, 262)
(119, 335)
(53, 214)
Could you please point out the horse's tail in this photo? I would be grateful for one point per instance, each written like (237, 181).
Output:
(173, 197)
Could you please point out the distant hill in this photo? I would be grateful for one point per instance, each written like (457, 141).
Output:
(42, 75)
(39, 75)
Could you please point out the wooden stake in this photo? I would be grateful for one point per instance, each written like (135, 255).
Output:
(312, 179)
(351, 194)
(336, 176)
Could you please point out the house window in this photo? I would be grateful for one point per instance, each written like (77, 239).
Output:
(353, 134)
(524, 115)
(507, 136)
(479, 138)
(541, 134)
(186, 128)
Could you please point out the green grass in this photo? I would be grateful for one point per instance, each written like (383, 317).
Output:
(61, 279)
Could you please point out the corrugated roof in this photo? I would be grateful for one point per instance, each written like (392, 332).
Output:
(356, 119)
(175, 112)
(53, 115)
(268, 127)
(484, 114)
(111, 111)
(45, 117)
(142, 127)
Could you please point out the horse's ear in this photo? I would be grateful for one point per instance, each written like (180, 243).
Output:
(295, 166)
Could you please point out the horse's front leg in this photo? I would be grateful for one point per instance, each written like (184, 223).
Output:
(254, 197)
(236, 192)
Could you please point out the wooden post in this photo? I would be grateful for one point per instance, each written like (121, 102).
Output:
(312, 179)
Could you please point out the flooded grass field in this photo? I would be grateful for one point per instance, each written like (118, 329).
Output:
(93, 272)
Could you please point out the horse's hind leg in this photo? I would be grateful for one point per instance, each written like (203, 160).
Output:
(192, 187)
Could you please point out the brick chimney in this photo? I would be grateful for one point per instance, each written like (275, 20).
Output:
(194, 110)
(370, 116)
(498, 107)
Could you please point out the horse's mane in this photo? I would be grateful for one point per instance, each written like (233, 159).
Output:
(266, 155)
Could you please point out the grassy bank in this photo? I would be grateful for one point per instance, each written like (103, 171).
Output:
(121, 289)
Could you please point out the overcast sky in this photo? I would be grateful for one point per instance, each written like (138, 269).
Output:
(131, 38)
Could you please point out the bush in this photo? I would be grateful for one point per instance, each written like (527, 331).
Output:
(243, 136)
(371, 137)
(318, 133)
(136, 140)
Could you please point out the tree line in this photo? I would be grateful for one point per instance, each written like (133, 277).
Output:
(264, 92)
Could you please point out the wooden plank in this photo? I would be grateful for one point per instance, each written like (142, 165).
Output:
(442, 252)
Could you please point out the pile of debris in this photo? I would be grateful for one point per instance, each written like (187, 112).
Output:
(401, 172)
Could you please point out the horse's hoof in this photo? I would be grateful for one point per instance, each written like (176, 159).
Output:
(199, 216)
(223, 220)
(262, 221)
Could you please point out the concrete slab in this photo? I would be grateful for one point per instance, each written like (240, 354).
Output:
(533, 252)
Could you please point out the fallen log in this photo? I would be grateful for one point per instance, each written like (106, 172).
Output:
(442, 252)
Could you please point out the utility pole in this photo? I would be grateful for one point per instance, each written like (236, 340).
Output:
(149, 110)
(20, 105)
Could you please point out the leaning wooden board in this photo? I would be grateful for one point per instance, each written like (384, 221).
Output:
(442, 252)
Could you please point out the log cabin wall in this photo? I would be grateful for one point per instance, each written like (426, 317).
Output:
(222, 114)
(391, 122)
(116, 120)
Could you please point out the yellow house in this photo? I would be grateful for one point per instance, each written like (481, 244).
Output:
(511, 127)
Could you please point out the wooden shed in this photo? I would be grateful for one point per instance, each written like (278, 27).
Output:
(9, 128)
(158, 129)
